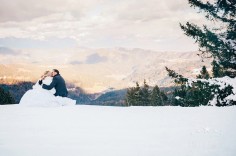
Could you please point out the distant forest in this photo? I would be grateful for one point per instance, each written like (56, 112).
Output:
(113, 98)
(16, 88)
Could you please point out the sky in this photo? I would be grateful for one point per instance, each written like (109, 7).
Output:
(58, 24)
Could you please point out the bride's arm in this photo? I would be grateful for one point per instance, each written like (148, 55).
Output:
(41, 80)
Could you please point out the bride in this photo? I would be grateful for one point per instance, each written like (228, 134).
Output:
(42, 97)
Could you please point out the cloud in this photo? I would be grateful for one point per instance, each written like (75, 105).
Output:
(95, 58)
(151, 10)
(76, 62)
(23, 10)
(8, 51)
(98, 24)
(33, 43)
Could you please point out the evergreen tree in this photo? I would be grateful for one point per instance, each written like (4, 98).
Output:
(178, 79)
(177, 99)
(155, 97)
(145, 94)
(199, 93)
(218, 42)
(5, 97)
(217, 70)
(138, 95)
(164, 97)
(204, 73)
(134, 96)
(130, 97)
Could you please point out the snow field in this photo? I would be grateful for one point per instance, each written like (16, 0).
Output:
(117, 131)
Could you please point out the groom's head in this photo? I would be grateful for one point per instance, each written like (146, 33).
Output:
(55, 72)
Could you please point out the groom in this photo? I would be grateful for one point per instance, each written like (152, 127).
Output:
(58, 83)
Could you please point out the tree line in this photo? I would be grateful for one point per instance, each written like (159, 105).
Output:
(145, 96)
(6, 97)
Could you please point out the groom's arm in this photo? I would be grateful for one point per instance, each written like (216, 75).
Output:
(52, 85)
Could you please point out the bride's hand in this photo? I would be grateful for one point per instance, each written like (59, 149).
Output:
(43, 77)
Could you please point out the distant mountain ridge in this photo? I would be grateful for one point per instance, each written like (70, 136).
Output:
(97, 70)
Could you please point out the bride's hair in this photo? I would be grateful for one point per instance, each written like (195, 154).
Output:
(46, 73)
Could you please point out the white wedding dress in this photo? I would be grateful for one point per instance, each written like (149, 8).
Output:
(45, 98)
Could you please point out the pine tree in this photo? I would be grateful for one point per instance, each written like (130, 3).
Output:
(199, 93)
(217, 70)
(204, 73)
(134, 96)
(145, 94)
(164, 97)
(138, 95)
(130, 97)
(218, 42)
(177, 97)
(178, 79)
(155, 97)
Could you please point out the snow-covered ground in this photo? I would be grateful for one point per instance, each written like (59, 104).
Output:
(117, 131)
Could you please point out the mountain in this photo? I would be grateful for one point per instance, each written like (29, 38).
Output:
(98, 70)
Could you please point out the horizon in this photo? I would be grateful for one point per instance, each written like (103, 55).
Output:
(97, 71)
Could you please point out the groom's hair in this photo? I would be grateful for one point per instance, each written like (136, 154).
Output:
(57, 71)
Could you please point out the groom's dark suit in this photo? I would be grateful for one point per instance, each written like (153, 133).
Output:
(59, 84)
